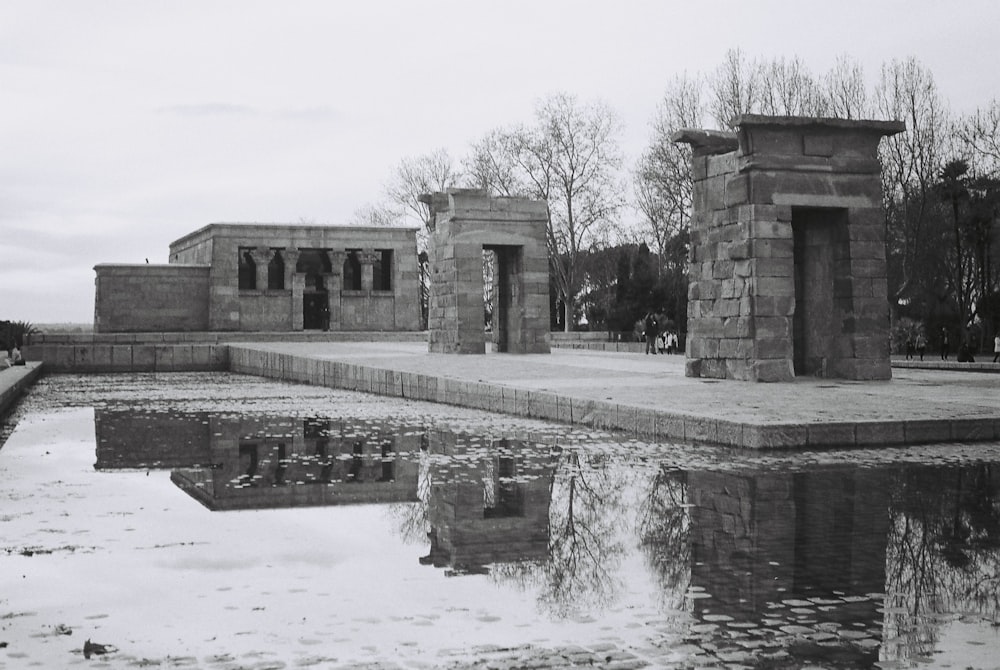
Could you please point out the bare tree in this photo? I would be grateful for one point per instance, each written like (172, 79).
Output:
(493, 164)
(911, 162)
(577, 144)
(980, 133)
(413, 177)
(417, 175)
(569, 158)
(734, 88)
(663, 184)
(845, 90)
(787, 88)
(381, 215)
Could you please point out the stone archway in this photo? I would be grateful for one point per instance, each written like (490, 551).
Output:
(465, 223)
(788, 269)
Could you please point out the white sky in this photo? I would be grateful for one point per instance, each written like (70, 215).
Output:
(125, 125)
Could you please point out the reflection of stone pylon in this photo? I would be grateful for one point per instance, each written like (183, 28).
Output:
(489, 485)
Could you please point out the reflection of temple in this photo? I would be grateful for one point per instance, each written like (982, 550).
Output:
(495, 509)
(235, 462)
(267, 462)
(798, 553)
(128, 439)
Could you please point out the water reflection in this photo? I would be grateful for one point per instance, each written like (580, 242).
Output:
(487, 502)
(254, 462)
(745, 563)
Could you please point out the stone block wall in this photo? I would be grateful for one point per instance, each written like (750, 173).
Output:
(466, 223)
(200, 289)
(787, 257)
(142, 298)
(232, 308)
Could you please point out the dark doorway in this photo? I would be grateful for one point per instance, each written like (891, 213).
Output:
(505, 276)
(822, 287)
(315, 265)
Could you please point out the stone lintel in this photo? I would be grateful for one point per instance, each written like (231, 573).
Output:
(706, 142)
(885, 128)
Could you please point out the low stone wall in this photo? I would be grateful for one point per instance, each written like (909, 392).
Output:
(417, 386)
(595, 341)
(170, 352)
(14, 382)
(491, 397)
(130, 357)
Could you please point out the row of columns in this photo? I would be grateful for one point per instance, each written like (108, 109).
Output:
(333, 281)
(367, 258)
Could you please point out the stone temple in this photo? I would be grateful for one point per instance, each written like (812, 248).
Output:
(268, 277)
(787, 257)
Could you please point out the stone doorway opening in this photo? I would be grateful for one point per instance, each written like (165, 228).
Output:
(823, 287)
(502, 291)
(314, 265)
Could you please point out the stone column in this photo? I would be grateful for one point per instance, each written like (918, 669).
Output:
(367, 258)
(261, 257)
(291, 256)
(294, 287)
(335, 284)
(298, 288)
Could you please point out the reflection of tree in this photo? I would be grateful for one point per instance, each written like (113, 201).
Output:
(943, 551)
(411, 518)
(664, 530)
(585, 535)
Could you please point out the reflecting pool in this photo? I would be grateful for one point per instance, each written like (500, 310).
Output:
(215, 520)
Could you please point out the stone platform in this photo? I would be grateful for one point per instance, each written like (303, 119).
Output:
(649, 396)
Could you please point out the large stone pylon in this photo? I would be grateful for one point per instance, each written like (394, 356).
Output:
(788, 270)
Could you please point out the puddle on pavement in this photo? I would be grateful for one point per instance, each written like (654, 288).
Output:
(408, 530)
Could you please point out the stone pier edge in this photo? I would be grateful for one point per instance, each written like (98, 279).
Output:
(15, 381)
(634, 420)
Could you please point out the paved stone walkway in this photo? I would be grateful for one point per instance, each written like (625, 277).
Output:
(916, 406)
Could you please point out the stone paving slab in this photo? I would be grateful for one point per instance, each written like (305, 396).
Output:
(649, 396)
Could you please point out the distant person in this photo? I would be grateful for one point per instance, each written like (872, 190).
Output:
(324, 310)
(650, 331)
(944, 344)
(672, 343)
(910, 347)
(15, 356)
(996, 348)
(921, 345)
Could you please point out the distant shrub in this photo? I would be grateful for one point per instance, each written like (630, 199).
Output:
(15, 333)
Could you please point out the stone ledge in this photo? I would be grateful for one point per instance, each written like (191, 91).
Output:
(15, 381)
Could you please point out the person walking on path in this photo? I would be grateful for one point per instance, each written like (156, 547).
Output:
(996, 348)
(650, 326)
(944, 344)
(921, 345)
(909, 347)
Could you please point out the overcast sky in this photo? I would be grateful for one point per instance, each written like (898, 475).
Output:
(126, 125)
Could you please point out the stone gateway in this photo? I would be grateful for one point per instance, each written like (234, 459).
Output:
(465, 224)
(787, 257)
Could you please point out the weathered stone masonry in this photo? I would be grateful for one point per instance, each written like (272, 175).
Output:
(787, 259)
(467, 222)
(262, 277)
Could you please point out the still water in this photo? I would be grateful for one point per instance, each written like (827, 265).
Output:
(526, 540)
